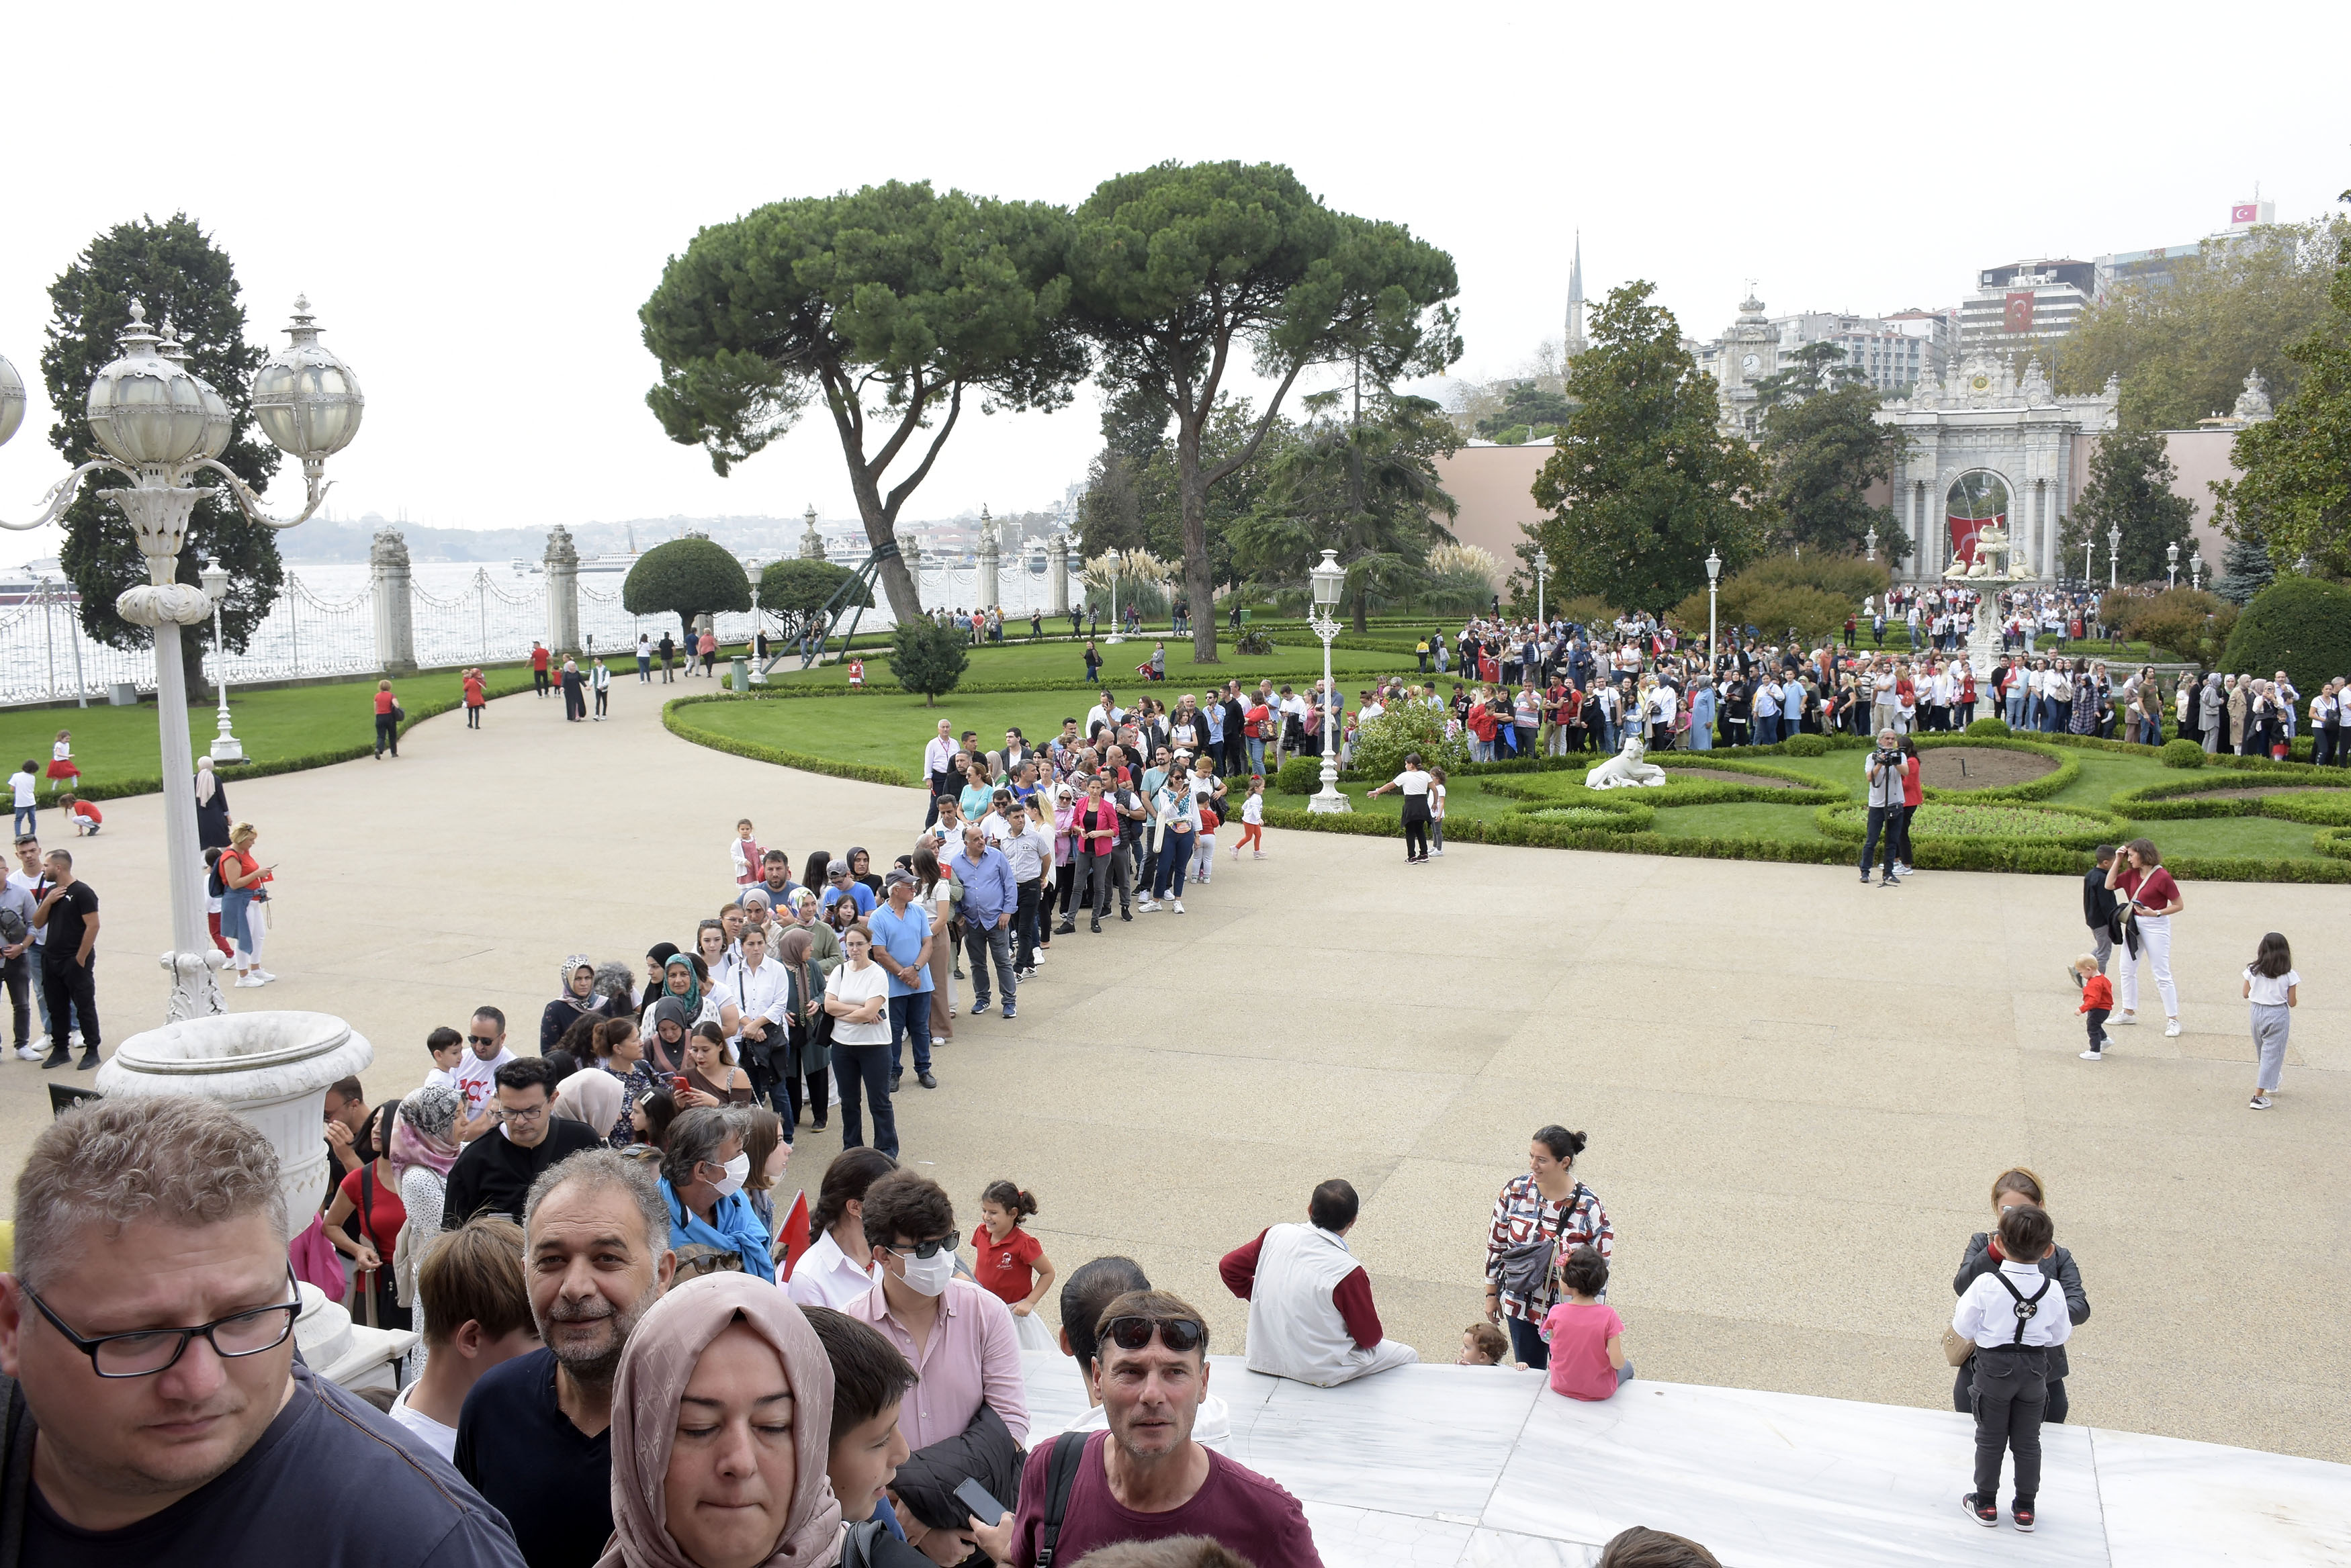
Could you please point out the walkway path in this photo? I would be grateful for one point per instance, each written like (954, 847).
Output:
(1798, 1091)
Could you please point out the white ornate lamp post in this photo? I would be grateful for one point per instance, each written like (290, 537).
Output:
(2196, 569)
(754, 569)
(2114, 556)
(1110, 559)
(1542, 570)
(2089, 548)
(225, 747)
(161, 425)
(1869, 544)
(1713, 582)
(1328, 581)
(2171, 558)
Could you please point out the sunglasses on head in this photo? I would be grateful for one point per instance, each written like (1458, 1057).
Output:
(1180, 1335)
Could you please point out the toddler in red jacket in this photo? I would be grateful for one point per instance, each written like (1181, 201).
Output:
(2097, 1001)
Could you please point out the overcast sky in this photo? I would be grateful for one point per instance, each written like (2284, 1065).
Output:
(478, 197)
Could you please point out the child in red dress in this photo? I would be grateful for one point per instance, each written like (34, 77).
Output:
(61, 763)
(1009, 1263)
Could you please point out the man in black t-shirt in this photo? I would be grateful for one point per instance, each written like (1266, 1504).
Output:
(66, 909)
(204, 1441)
(492, 1175)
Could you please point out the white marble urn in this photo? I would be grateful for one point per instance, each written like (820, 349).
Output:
(272, 1068)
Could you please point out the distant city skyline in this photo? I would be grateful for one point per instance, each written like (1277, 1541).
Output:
(478, 226)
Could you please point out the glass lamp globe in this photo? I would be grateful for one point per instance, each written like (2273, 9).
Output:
(306, 399)
(218, 424)
(1327, 579)
(145, 410)
(11, 400)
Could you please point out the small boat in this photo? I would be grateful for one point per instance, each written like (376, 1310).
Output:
(523, 569)
(609, 563)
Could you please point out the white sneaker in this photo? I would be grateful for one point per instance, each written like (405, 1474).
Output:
(264, 976)
(31, 1053)
(2124, 1018)
(2093, 1055)
(1179, 906)
(2171, 1027)
(1145, 906)
(245, 981)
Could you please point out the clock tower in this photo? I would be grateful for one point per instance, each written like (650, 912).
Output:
(1750, 353)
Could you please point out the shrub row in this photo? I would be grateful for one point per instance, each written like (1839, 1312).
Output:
(675, 721)
(1933, 855)
(1849, 823)
(2329, 802)
(1680, 792)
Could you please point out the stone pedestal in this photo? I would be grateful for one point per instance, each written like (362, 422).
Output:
(1058, 553)
(988, 560)
(341, 1351)
(395, 622)
(562, 563)
(271, 1068)
(812, 542)
(911, 554)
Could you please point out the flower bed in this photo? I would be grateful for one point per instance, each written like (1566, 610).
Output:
(1976, 821)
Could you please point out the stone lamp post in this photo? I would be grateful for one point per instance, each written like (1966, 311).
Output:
(160, 426)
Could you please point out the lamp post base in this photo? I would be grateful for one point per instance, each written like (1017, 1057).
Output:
(1329, 799)
(227, 748)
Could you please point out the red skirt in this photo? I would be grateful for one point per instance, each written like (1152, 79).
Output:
(63, 768)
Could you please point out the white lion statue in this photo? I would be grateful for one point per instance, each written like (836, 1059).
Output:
(1626, 770)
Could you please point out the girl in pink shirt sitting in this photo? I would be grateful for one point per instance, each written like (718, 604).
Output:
(1585, 1335)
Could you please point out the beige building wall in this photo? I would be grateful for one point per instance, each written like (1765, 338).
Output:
(1494, 485)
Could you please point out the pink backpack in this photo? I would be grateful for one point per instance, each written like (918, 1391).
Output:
(314, 1259)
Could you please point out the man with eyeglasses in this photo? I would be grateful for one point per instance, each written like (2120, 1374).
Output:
(1147, 1478)
(494, 1174)
(477, 1071)
(152, 1409)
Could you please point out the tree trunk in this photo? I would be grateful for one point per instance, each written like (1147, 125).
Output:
(195, 643)
(1363, 608)
(1198, 587)
(897, 583)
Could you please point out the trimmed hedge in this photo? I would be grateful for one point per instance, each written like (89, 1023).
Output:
(2301, 625)
(2328, 801)
(1626, 816)
(2335, 841)
(1848, 823)
(685, 729)
(2068, 770)
(2181, 753)
(1299, 776)
(1988, 725)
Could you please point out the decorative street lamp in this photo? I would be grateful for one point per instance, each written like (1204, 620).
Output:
(2302, 564)
(226, 747)
(1869, 544)
(160, 425)
(1713, 581)
(2089, 548)
(2171, 555)
(1542, 570)
(2114, 555)
(2196, 569)
(1328, 580)
(752, 568)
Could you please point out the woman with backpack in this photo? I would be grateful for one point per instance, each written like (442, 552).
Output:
(1539, 1218)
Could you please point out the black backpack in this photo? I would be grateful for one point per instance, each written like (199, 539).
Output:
(1061, 1476)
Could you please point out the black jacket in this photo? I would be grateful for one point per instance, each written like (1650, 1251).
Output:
(983, 1451)
(494, 1175)
(2058, 1266)
(2098, 902)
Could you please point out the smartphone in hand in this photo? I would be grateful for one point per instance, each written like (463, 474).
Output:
(975, 1496)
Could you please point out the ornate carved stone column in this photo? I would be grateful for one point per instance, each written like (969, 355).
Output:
(812, 542)
(562, 563)
(395, 618)
(1057, 571)
(989, 559)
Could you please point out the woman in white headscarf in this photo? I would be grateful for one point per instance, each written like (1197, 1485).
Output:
(212, 807)
(575, 998)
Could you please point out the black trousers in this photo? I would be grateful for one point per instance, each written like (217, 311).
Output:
(539, 679)
(941, 784)
(72, 991)
(1024, 928)
(820, 1097)
(1066, 888)
(1885, 821)
(18, 973)
(2010, 1395)
(1902, 834)
(387, 735)
(1416, 828)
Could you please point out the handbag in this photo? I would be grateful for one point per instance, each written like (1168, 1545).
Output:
(1526, 1267)
(1957, 1347)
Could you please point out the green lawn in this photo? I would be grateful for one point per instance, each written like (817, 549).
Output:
(1020, 661)
(118, 745)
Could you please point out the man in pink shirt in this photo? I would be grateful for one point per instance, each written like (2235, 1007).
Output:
(958, 1338)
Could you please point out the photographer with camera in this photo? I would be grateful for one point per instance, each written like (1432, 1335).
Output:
(1885, 773)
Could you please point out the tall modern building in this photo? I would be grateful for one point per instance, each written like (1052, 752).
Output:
(2026, 303)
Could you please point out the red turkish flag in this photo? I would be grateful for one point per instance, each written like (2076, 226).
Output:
(2018, 317)
(2245, 213)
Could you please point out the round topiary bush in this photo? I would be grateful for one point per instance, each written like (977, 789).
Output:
(1988, 725)
(1299, 776)
(1383, 743)
(1806, 745)
(2300, 624)
(2182, 754)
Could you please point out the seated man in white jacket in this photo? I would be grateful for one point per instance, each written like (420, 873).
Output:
(1310, 1312)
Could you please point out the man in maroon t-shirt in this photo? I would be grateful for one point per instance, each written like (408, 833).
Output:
(1146, 1478)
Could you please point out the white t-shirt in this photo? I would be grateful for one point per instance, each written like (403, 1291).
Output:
(1437, 801)
(853, 986)
(23, 784)
(441, 1439)
(446, 1077)
(1412, 782)
(478, 1079)
(2270, 990)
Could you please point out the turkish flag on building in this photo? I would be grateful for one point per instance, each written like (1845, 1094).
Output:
(2245, 213)
(2018, 317)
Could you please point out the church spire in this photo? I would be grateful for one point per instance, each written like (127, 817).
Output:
(1575, 344)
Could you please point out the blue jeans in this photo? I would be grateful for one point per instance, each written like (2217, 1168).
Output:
(866, 1068)
(1527, 1343)
(1256, 758)
(910, 1014)
(1175, 855)
(2015, 710)
(27, 820)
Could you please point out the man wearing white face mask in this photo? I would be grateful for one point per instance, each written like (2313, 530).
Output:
(958, 1338)
(702, 1169)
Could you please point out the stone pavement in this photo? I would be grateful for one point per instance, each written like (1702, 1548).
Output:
(1797, 1090)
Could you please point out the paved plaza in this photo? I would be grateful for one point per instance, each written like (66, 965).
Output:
(1797, 1090)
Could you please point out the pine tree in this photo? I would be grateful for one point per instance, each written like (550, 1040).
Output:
(2245, 569)
(178, 274)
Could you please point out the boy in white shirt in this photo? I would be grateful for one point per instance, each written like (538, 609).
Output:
(475, 1310)
(447, 1048)
(2012, 1314)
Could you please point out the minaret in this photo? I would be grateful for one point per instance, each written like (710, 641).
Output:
(1575, 343)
